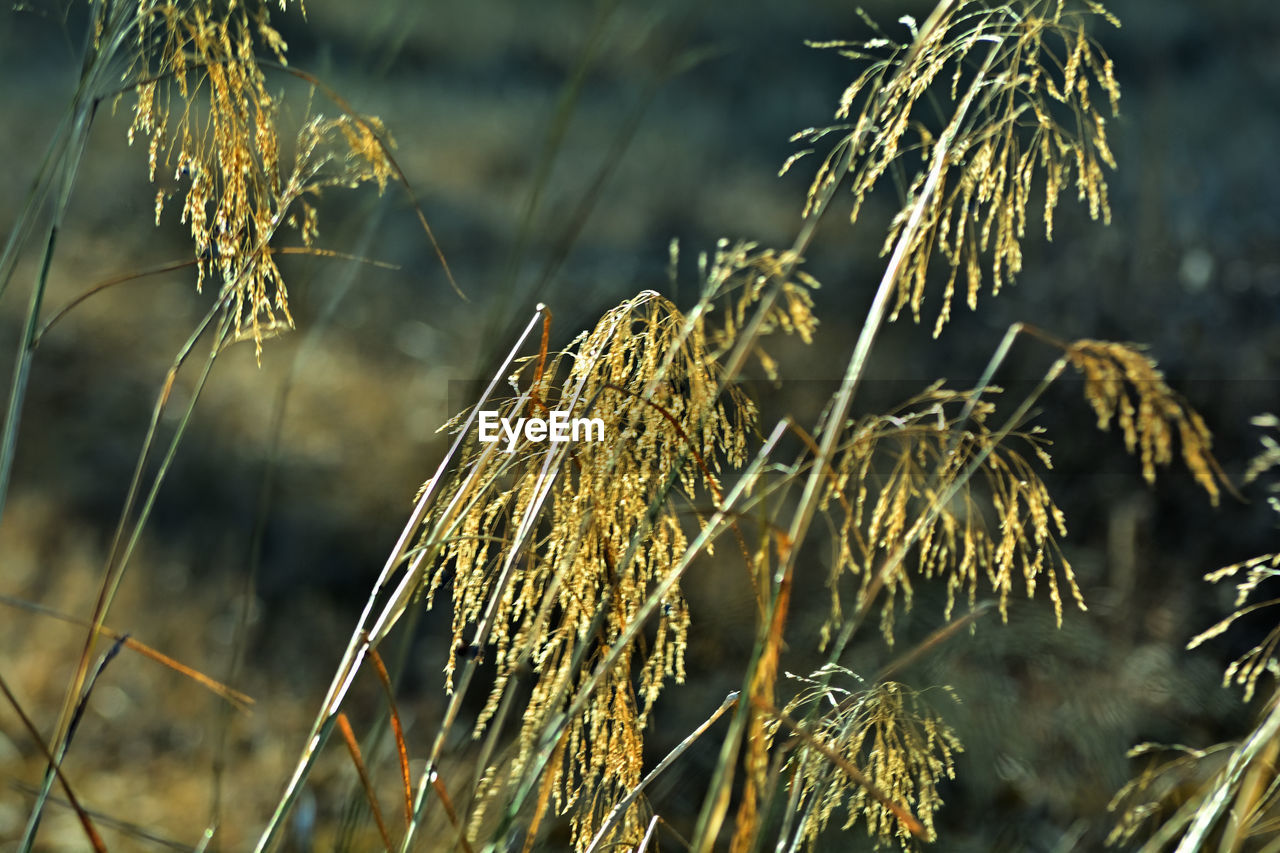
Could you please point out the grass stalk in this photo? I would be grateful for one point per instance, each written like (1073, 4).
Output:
(363, 637)
(1207, 814)
(95, 840)
(616, 813)
(119, 556)
(720, 521)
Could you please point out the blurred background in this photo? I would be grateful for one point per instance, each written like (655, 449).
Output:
(557, 149)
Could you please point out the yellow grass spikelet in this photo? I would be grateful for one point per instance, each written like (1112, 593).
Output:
(1125, 386)
(203, 104)
(1261, 658)
(1020, 113)
(592, 529)
(904, 749)
(921, 494)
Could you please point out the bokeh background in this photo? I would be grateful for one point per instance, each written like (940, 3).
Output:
(635, 124)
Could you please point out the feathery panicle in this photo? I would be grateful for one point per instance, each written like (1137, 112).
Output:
(1230, 791)
(888, 732)
(1249, 667)
(1246, 779)
(1268, 459)
(903, 481)
(602, 532)
(740, 272)
(1021, 119)
(1154, 793)
(1123, 384)
(205, 109)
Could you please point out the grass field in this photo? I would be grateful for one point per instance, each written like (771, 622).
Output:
(553, 155)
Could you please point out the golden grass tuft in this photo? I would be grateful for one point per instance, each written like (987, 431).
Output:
(905, 480)
(563, 560)
(1022, 80)
(561, 543)
(204, 106)
(1124, 385)
(904, 748)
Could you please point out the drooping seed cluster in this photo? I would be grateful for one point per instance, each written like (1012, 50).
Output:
(1123, 384)
(889, 732)
(910, 502)
(204, 106)
(559, 545)
(1021, 120)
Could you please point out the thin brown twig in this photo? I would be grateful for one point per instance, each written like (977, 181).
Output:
(106, 820)
(937, 638)
(241, 701)
(344, 725)
(125, 278)
(450, 812)
(535, 398)
(85, 822)
(544, 795)
(398, 731)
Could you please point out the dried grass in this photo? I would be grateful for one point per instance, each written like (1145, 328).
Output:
(562, 562)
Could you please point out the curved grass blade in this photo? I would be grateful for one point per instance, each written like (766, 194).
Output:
(94, 839)
(55, 762)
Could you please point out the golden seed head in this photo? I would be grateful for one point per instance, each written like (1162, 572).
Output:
(222, 139)
(1123, 385)
(888, 732)
(921, 509)
(1006, 66)
(604, 533)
